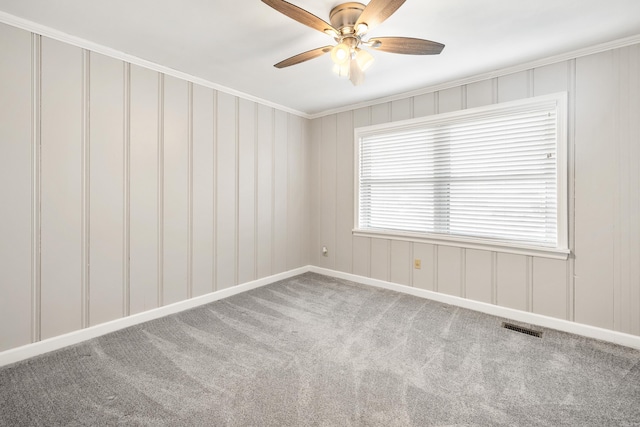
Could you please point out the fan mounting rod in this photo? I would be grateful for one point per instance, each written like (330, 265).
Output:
(344, 17)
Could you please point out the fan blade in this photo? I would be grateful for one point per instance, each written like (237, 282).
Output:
(304, 56)
(301, 15)
(406, 45)
(377, 11)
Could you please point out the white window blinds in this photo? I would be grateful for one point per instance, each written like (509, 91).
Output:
(488, 175)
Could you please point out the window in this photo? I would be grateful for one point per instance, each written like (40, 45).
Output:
(487, 177)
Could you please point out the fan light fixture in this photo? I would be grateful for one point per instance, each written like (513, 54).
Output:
(346, 57)
(341, 54)
(349, 24)
(364, 59)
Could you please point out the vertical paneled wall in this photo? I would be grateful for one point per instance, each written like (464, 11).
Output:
(144, 190)
(18, 149)
(598, 285)
(63, 169)
(124, 189)
(107, 179)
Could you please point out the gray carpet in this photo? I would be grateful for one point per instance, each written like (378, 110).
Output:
(318, 351)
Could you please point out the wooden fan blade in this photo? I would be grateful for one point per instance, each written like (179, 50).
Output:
(300, 15)
(406, 45)
(304, 56)
(377, 11)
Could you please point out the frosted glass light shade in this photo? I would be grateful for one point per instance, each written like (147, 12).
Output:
(364, 59)
(341, 54)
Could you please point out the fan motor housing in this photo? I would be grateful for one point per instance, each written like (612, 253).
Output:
(345, 15)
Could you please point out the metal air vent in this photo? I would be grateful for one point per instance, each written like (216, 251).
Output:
(522, 330)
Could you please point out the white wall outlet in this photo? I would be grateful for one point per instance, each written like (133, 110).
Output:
(325, 252)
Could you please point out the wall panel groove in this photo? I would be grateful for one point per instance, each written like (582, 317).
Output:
(463, 97)
(36, 185)
(334, 214)
(436, 286)
(411, 258)
(86, 192)
(264, 191)
(273, 191)
(247, 168)
(328, 185)
(634, 193)
(202, 191)
(288, 193)
(280, 205)
(160, 187)
(216, 124)
(126, 191)
(388, 260)
(571, 170)
(344, 192)
(190, 190)
(494, 278)
(226, 193)
(255, 191)
(618, 306)
(463, 270)
(236, 184)
(530, 283)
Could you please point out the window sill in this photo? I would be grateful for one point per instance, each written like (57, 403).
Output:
(467, 243)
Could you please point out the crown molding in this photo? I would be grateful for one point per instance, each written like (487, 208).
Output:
(615, 44)
(52, 33)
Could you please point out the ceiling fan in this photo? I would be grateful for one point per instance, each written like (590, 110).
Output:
(350, 23)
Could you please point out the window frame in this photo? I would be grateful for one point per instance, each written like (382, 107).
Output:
(561, 251)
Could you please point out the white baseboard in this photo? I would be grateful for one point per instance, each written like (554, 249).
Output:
(45, 346)
(30, 350)
(594, 332)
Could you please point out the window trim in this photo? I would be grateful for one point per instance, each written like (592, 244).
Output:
(561, 251)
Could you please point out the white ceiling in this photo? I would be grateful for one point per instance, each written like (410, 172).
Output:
(236, 43)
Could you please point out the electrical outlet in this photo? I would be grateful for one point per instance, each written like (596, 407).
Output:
(417, 264)
(325, 252)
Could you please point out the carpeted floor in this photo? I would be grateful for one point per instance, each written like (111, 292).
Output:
(318, 351)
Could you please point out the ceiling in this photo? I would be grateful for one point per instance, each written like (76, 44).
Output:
(236, 43)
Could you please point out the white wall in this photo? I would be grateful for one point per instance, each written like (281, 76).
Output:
(124, 189)
(599, 285)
